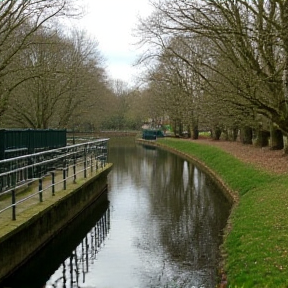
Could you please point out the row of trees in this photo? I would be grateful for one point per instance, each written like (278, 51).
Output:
(219, 65)
(54, 77)
(212, 65)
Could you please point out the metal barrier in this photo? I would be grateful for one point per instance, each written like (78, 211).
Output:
(51, 170)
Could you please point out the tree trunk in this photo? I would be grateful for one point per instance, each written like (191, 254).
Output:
(277, 142)
(175, 127)
(226, 134)
(217, 133)
(234, 134)
(189, 131)
(262, 138)
(180, 128)
(195, 131)
(246, 135)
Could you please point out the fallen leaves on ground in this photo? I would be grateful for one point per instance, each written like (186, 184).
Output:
(275, 161)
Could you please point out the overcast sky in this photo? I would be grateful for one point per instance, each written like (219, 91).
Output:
(111, 23)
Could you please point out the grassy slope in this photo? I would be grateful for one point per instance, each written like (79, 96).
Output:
(257, 245)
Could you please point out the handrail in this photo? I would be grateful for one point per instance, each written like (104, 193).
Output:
(20, 170)
(53, 150)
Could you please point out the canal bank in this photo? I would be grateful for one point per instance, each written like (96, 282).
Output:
(255, 244)
(39, 223)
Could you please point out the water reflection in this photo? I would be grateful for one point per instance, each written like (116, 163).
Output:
(182, 230)
(178, 214)
(72, 272)
(67, 259)
(165, 225)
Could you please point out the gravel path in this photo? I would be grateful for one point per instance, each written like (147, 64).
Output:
(270, 160)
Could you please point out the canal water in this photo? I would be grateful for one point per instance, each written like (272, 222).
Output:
(159, 225)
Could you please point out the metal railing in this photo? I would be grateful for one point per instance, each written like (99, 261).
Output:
(30, 176)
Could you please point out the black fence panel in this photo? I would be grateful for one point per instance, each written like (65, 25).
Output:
(16, 142)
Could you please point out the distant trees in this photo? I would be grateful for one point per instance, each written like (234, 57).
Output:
(125, 108)
(233, 55)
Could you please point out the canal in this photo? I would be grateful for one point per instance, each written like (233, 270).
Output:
(159, 225)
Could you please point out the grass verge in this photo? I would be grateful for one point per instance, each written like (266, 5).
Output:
(256, 246)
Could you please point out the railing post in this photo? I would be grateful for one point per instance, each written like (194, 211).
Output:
(91, 159)
(8, 180)
(64, 173)
(13, 205)
(53, 183)
(40, 190)
(14, 178)
(74, 170)
(64, 178)
(25, 174)
(85, 164)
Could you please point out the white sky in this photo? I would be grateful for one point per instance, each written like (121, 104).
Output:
(111, 23)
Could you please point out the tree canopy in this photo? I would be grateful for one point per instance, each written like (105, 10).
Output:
(233, 54)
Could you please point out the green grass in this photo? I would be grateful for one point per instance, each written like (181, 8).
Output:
(256, 247)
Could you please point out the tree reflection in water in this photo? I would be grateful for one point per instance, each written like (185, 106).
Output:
(66, 260)
(73, 270)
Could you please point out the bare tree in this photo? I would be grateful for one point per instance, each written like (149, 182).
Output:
(250, 36)
(19, 20)
(64, 72)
